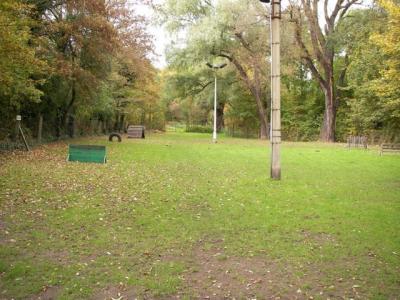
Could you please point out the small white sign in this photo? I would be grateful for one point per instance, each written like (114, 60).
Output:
(19, 118)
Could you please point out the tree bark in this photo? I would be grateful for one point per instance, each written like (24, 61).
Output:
(328, 128)
(264, 132)
(117, 122)
(220, 116)
(40, 128)
(69, 119)
(121, 123)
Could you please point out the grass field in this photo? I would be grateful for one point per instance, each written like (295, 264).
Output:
(175, 216)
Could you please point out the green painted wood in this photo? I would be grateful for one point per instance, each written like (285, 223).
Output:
(87, 153)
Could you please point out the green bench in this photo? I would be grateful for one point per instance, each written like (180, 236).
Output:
(87, 153)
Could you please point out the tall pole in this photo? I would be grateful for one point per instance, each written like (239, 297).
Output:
(215, 109)
(275, 91)
(215, 68)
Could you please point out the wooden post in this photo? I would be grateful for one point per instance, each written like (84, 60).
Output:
(17, 126)
(24, 139)
(275, 91)
(19, 131)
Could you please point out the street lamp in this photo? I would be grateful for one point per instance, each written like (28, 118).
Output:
(275, 133)
(215, 68)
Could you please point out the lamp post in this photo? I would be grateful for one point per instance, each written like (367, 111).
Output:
(275, 133)
(215, 68)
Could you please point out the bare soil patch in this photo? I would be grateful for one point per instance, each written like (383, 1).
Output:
(215, 275)
(48, 293)
(115, 292)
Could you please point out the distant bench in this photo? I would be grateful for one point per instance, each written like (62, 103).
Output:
(87, 153)
(390, 148)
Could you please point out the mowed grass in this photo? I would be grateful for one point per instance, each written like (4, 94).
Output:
(134, 222)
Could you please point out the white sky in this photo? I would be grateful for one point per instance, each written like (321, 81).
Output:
(161, 37)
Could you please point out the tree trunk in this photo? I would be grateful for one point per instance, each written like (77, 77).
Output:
(264, 134)
(40, 128)
(329, 123)
(121, 123)
(59, 123)
(71, 126)
(69, 119)
(116, 123)
(220, 116)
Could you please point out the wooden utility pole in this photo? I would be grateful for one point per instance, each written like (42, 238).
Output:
(275, 91)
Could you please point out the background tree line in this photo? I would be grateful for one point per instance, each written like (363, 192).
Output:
(340, 67)
(73, 67)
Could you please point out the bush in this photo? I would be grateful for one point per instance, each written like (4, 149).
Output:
(198, 128)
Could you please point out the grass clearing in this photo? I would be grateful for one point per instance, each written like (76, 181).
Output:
(175, 215)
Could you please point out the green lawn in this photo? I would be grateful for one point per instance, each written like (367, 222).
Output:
(177, 216)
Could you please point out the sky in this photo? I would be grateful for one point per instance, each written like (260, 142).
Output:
(161, 38)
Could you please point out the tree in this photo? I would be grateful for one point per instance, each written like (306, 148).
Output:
(235, 31)
(371, 106)
(84, 40)
(387, 87)
(318, 52)
(21, 71)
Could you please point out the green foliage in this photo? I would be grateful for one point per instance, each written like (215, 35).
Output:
(387, 87)
(371, 75)
(199, 129)
(302, 106)
(224, 33)
(21, 71)
(100, 74)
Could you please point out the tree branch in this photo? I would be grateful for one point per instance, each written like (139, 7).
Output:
(306, 56)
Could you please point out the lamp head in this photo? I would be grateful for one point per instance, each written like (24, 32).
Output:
(220, 66)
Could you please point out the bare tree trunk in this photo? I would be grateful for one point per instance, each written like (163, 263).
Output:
(121, 123)
(262, 115)
(69, 119)
(328, 128)
(220, 116)
(264, 134)
(59, 124)
(40, 128)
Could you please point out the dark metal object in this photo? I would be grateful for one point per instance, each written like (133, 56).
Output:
(114, 134)
(219, 66)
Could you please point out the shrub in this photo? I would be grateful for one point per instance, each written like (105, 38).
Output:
(199, 128)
